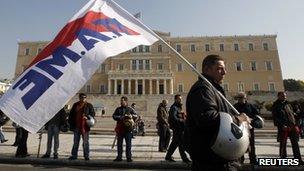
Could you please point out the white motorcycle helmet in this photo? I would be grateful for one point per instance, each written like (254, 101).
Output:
(232, 141)
(90, 121)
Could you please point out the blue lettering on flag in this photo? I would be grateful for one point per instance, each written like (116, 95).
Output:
(59, 60)
(41, 84)
(89, 43)
(113, 26)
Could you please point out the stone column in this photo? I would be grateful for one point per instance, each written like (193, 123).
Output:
(150, 86)
(165, 86)
(115, 86)
(109, 87)
(136, 87)
(157, 86)
(171, 86)
(129, 86)
(143, 87)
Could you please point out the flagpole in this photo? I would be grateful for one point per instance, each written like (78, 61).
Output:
(180, 56)
(196, 71)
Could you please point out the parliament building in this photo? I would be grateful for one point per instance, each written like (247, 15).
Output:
(150, 73)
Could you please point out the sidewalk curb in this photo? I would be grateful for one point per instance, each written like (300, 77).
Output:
(102, 163)
(98, 163)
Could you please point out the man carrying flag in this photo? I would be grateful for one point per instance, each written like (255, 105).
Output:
(101, 29)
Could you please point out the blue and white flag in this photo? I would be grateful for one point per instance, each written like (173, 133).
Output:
(101, 29)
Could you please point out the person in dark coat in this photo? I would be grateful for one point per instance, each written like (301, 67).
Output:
(203, 106)
(53, 129)
(176, 121)
(3, 120)
(163, 126)
(245, 107)
(124, 116)
(18, 134)
(78, 116)
(22, 145)
(284, 117)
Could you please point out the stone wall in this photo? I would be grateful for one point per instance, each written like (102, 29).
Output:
(147, 104)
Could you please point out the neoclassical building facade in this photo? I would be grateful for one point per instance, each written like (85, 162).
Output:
(252, 64)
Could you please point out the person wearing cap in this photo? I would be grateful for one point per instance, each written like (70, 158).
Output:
(243, 106)
(284, 119)
(203, 106)
(78, 116)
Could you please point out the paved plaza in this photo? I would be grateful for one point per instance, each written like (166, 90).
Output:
(144, 150)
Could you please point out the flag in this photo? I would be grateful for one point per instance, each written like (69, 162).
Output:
(101, 29)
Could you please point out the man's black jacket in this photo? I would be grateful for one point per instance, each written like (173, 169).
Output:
(247, 108)
(202, 124)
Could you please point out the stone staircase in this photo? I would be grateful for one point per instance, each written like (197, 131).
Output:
(105, 125)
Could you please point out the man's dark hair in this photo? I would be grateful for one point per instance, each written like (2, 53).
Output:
(82, 95)
(211, 60)
(133, 104)
(125, 98)
(176, 96)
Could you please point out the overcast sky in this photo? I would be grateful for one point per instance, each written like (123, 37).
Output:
(35, 20)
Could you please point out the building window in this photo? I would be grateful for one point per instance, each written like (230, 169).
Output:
(241, 87)
(147, 48)
(180, 88)
(178, 48)
(250, 46)
(225, 87)
(140, 64)
(238, 66)
(236, 47)
(194, 65)
(253, 66)
(256, 87)
(265, 46)
(102, 68)
(134, 50)
(161, 89)
(27, 51)
(103, 89)
(271, 87)
(179, 67)
(160, 48)
(268, 65)
(192, 48)
(120, 67)
(88, 88)
(140, 48)
(147, 64)
(222, 47)
(160, 66)
(133, 64)
(207, 47)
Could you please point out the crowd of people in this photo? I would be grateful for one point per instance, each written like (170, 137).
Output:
(196, 131)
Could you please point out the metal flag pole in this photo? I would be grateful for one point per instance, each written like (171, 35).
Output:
(179, 55)
(196, 71)
(114, 142)
(39, 145)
